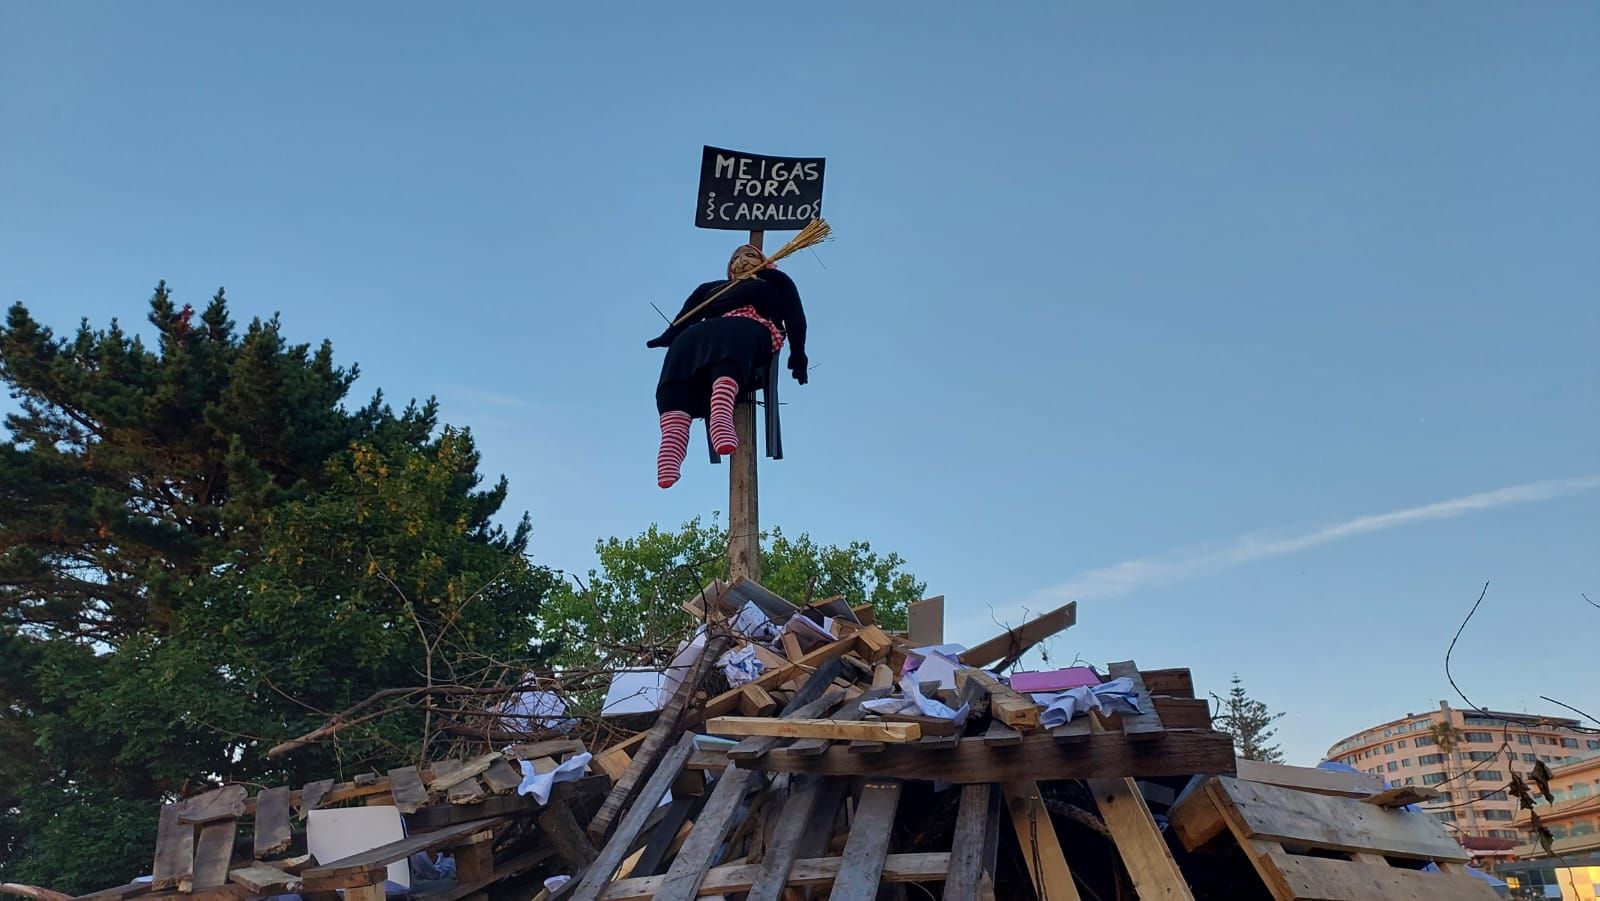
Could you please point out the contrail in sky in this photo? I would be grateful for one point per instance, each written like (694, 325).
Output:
(1184, 563)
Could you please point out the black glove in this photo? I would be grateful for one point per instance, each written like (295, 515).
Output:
(658, 341)
(797, 367)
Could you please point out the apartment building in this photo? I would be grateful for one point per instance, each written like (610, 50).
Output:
(1472, 766)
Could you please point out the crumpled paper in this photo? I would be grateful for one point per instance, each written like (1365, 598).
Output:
(540, 784)
(753, 623)
(741, 665)
(532, 711)
(1116, 696)
(913, 701)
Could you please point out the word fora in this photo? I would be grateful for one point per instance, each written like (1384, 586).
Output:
(764, 178)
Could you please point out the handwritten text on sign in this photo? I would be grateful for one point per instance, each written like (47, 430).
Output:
(758, 193)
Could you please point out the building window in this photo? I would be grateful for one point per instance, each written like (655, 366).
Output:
(1529, 758)
(1591, 743)
(1445, 816)
(1489, 776)
(1427, 759)
(1432, 778)
(1479, 736)
(1423, 740)
(1491, 796)
(1524, 739)
(1405, 761)
(1393, 766)
(1476, 756)
(1569, 743)
(1502, 815)
(1543, 740)
(1581, 790)
(1582, 827)
(1410, 781)
(1505, 833)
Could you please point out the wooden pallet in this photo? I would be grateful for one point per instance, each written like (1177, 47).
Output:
(1316, 846)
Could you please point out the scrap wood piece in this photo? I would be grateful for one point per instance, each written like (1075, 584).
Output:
(1041, 849)
(755, 701)
(756, 745)
(383, 855)
(467, 791)
(932, 727)
(999, 735)
(272, 835)
(925, 621)
(225, 803)
(875, 643)
(593, 880)
(1074, 731)
(852, 710)
(1293, 876)
(1266, 812)
(784, 849)
(174, 863)
(1005, 705)
(214, 851)
(815, 728)
(655, 742)
(1404, 796)
(665, 837)
(698, 854)
(967, 848)
(1183, 713)
(115, 893)
(1144, 852)
(405, 783)
(1177, 683)
(502, 777)
(1311, 779)
(561, 828)
(551, 747)
(450, 776)
(32, 891)
(1182, 752)
(312, 795)
(861, 864)
(808, 873)
(1014, 643)
(1145, 725)
(728, 701)
(439, 816)
(266, 879)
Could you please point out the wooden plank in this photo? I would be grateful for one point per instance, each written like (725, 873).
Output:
(809, 873)
(861, 864)
(213, 851)
(932, 727)
(837, 730)
(1404, 796)
(502, 777)
(1006, 705)
(467, 791)
(1075, 731)
(1183, 713)
(554, 747)
(265, 879)
(784, 848)
(665, 836)
(1041, 849)
(439, 816)
(875, 644)
(852, 710)
(504, 870)
(1342, 880)
(1311, 779)
(593, 880)
(925, 621)
(475, 859)
(312, 795)
(1179, 753)
(1196, 820)
(369, 892)
(405, 783)
(225, 803)
(668, 724)
(445, 778)
(967, 847)
(791, 646)
(728, 701)
(1145, 725)
(272, 835)
(1133, 830)
(1258, 811)
(756, 701)
(755, 746)
(560, 826)
(699, 852)
(1014, 643)
(174, 863)
(1177, 683)
(117, 893)
(383, 855)
(999, 735)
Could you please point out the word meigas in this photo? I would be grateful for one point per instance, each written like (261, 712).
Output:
(765, 178)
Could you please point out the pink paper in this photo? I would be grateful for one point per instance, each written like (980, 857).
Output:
(1055, 680)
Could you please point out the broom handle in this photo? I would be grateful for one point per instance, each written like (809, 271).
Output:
(755, 239)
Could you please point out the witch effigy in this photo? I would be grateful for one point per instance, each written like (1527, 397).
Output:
(727, 331)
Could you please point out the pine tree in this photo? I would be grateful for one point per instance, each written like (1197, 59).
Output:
(199, 545)
(1248, 721)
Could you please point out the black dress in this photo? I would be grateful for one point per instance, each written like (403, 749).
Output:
(711, 344)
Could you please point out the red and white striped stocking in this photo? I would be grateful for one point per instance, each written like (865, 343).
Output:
(674, 446)
(723, 436)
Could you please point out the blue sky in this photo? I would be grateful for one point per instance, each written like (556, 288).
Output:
(1178, 292)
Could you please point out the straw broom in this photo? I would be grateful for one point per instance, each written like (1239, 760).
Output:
(815, 232)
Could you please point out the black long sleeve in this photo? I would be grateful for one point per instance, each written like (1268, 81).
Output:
(773, 295)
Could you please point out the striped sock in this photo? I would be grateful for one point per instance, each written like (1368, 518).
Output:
(723, 436)
(674, 446)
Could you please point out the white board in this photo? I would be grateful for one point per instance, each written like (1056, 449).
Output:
(335, 834)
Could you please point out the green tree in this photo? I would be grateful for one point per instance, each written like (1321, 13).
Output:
(1250, 724)
(203, 551)
(628, 609)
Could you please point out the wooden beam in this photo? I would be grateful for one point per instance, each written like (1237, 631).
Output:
(272, 835)
(264, 879)
(592, 882)
(755, 701)
(383, 855)
(784, 847)
(861, 865)
(561, 828)
(755, 746)
(405, 783)
(967, 848)
(174, 863)
(213, 851)
(1014, 643)
(699, 852)
(225, 803)
(1145, 725)
(1006, 705)
(1179, 753)
(1133, 831)
(813, 872)
(1177, 683)
(831, 729)
(1041, 849)
(1311, 779)
(853, 710)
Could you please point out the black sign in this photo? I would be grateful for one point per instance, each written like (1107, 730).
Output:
(758, 193)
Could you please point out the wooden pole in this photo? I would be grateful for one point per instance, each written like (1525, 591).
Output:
(744, 520)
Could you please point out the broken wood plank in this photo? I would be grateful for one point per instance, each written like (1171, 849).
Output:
(553, 747)
(1133, 831)
(784, 848)
(1177, 683)
(467, 791)
(1014, 643)
(174, 863)
(1180, 753)
(1145, 725)
(213, 851)
(1005, 705)
(264, 879)
(755, 701)
(272, 835)
(559, 825)
(1183, 713)
(808, 873)
(925, 622)
(445, 777)
(699, 852)
(589, 884)
(791, 647)
(831, 729)
(405, 783)
(861, 864)
(967, 847)
(502, 777)
(225, 803)
(1041, 849)
(312, 795)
